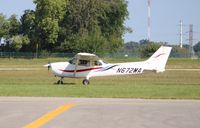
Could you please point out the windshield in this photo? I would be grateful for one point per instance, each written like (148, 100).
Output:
(86, 62)
(72, 61)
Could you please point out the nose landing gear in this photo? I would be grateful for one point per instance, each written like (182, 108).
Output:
(60, 81)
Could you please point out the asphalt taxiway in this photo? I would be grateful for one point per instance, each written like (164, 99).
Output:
(38, 112)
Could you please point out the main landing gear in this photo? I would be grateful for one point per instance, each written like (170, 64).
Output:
(86, 82)
(60, 81)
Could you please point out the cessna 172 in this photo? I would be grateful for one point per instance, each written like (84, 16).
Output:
(86, 65)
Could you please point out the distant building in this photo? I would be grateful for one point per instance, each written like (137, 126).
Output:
(2, 41)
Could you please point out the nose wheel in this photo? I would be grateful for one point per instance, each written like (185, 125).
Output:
(86, 82)
(60, 81)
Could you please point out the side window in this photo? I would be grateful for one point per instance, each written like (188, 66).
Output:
(97, 63)
(84, 62)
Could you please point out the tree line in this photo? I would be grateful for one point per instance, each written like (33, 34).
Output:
(95, 26)
(145, 49)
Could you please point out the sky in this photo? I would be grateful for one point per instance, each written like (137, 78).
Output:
(165, 18)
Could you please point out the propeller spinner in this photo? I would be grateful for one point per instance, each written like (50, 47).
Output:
(48, 65)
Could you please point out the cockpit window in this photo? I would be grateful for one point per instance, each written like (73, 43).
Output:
(72, 61)
(84, 62)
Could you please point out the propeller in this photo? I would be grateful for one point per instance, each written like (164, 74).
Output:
(48, 65)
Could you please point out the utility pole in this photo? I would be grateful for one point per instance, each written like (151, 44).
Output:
(149, 21)
(191, 52)
(181, 34)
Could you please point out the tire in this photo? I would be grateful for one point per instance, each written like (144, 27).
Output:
(61, 82)
(86, 82)
(58, 82)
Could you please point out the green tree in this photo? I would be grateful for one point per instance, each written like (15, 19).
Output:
(48, 14)
(4, 26)
(73, 25)
(196, 48)
(14, 26)
(132, 48)
(112, 22)
(148, 49)
(28, 29)
(84, 16)
(49, 32)
(10, 29)
(92, 42)
(28, 23)
(18, 41)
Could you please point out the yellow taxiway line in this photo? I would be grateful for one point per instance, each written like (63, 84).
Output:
(49, 116)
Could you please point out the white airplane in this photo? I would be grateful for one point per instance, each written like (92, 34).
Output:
(86, 65)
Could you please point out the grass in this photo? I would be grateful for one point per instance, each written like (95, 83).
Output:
(175, 63)
(167, 85)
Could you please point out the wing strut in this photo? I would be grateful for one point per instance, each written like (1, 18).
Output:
(76, 65)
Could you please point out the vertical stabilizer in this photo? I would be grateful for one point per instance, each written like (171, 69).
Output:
(159, 59)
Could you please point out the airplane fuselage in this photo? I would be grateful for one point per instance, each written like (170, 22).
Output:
(86, 65)
(65, 69)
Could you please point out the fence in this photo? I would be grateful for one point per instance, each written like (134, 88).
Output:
(30, 55)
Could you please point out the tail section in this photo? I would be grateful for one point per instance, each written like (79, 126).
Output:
(159, 59)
